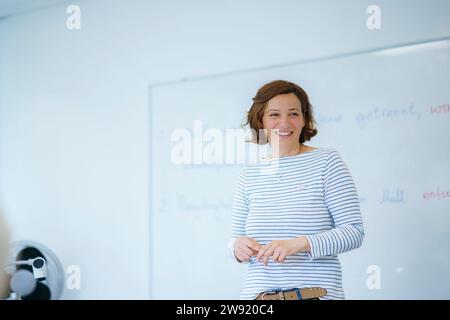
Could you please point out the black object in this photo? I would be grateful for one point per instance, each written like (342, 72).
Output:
(42, 292)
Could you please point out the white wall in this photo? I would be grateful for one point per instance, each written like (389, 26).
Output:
(73, 107)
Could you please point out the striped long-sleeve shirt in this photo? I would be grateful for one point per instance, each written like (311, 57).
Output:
(310, 194)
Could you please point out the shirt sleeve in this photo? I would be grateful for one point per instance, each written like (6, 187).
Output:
(239, 211)
(342, 201)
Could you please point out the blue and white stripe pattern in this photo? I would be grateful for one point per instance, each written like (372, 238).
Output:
(311, 194)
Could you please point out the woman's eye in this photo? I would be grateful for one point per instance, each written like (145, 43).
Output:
(295, 114)
(273, 114)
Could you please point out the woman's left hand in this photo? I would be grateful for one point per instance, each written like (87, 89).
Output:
(280, 249)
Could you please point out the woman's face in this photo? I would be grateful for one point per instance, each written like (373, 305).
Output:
(284, 119)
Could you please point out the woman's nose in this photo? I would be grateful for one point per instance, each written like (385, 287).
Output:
(284, 121)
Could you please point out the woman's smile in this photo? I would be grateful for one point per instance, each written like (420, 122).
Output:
(283, 133)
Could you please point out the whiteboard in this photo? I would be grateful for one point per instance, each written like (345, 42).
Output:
(386, 111)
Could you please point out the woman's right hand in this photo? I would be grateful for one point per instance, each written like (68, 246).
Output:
(245, 248)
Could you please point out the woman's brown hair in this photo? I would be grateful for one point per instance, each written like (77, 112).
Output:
(271, 90)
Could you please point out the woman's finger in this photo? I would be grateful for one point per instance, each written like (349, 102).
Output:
(261, 252)
(276, 254)
(255, 246)
(246, 250)
(243, 257)
(267, 254)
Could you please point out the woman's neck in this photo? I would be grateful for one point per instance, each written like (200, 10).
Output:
(288, 151)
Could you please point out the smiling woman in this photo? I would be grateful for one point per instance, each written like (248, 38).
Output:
(291, 222)
(282, 108)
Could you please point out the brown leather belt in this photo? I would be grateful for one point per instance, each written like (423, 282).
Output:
(293, 294)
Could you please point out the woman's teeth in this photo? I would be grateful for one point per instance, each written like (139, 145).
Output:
(284, 133)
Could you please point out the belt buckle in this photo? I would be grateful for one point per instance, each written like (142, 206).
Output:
(266, 292)
(280, 294)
